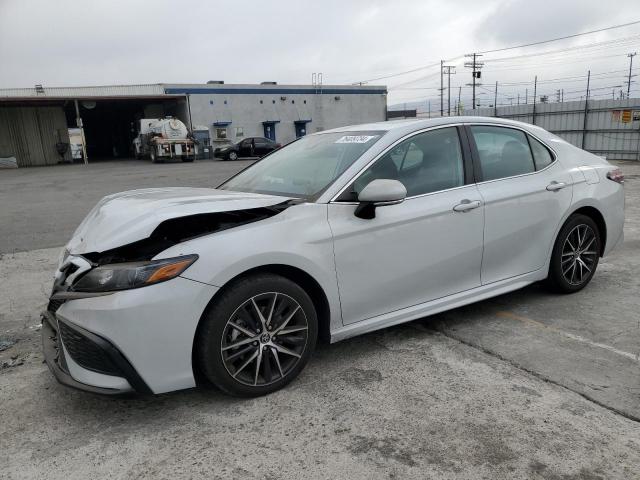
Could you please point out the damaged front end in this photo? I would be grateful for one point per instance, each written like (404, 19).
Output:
(177, 230)
(131, 265)
(89, 358)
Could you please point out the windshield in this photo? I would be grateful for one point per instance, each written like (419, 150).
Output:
(305, 167)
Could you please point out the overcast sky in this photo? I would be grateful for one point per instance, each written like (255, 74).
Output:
(68, 43)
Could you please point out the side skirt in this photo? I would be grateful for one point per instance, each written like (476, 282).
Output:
(436, 306)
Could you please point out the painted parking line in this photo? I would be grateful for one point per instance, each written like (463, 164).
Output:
(578, 338)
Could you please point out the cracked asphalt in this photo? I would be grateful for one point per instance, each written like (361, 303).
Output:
(528, 385)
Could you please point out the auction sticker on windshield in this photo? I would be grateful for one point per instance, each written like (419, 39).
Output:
(355, 138)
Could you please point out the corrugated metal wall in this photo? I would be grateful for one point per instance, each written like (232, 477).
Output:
(612, 128)
(30, 134)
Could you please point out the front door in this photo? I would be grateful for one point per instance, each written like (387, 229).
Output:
(419, 250)
(270, 131)
(301, 129)
(526, 193)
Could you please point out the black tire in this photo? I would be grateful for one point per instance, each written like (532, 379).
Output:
(187, 159)
(222, 364)
(575, 255)
(152, 156)
(232, 156)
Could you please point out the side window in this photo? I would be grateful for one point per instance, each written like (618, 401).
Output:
(425, 163)
(541, 154)
(504, 152)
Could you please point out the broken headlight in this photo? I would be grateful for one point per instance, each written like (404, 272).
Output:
(64, 254)
(123, 276)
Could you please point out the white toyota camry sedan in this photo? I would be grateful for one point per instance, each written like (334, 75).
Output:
(338, 233)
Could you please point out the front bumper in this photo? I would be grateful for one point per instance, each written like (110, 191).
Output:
(97, 351)
(133, 340)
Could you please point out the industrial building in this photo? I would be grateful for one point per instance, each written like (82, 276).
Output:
(35, 122)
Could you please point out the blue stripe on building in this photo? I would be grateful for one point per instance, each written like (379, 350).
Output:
(274, 91)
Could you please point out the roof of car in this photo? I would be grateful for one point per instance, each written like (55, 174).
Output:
(419, 123)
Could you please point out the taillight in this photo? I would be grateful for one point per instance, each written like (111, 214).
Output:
(616, 175)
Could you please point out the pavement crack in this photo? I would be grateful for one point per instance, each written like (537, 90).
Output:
(538, 375)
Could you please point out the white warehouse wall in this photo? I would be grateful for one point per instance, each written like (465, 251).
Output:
(248, 106)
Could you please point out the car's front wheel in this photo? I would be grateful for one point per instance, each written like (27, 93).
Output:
(257, 336)
(232, 156)
(575, 255)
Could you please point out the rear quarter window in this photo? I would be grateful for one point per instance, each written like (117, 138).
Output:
(541, 154)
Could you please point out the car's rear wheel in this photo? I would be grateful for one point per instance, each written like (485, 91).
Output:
(575, 255)
(257, 336)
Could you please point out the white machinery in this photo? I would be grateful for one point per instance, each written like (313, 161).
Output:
(162, 138)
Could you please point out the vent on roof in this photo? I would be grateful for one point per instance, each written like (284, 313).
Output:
(215, 82)
(268, 83)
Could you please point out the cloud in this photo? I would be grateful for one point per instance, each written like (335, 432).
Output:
(74, 42)
(514, 22)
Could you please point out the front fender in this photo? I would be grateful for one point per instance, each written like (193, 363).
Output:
(298, 237)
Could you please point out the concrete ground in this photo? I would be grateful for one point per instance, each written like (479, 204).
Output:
(526, 385)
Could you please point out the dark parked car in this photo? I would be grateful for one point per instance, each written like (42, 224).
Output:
(249, 147)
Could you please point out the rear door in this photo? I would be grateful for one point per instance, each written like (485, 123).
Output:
(261, 146)
(427, 247)
(526, 192)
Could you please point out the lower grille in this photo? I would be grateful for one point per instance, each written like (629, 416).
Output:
(86, 353)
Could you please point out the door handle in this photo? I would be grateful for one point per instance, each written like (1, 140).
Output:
(466, 205)
(555, 186)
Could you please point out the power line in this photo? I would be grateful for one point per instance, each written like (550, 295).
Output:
(560, 38)
(436, 64)
(559, 51)
(406, 72)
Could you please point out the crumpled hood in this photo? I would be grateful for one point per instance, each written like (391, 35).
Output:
(126, 217)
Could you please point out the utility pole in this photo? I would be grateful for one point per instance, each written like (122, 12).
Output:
(526, 96)
(558, 95)
(441, 88)
(459, 109)
(518, 98)
(475, 66)
(562, 95)
(495, 101)
(630, 55)
(586, 111)
(448, 72)
(535, 92)
(429, 107)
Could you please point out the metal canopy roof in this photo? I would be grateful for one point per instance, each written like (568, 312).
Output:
(84, 92)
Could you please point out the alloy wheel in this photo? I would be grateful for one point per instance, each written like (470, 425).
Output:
(264, 339)
(579, 254)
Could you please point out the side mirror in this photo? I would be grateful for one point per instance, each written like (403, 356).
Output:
(379, 193)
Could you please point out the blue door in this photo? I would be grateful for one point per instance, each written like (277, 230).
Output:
(301, 129)
(270, 131)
